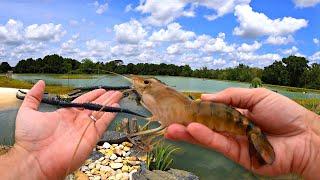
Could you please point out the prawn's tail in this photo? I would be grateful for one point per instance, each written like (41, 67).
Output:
(260, 150)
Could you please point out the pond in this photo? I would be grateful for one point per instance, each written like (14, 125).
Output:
(205, 163)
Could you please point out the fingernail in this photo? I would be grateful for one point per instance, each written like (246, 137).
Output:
(207, 96)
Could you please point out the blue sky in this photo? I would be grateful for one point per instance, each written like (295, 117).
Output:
(211, 33)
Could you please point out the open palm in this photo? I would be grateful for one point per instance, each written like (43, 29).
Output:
(51, 137)
(288, 127)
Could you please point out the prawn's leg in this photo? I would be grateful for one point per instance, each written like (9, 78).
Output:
(151, 131)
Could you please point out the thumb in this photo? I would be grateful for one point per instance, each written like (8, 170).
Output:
(238, 97)
(34, 96)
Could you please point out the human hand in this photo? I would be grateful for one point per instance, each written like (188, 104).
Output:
(47, 140)
(293, 131)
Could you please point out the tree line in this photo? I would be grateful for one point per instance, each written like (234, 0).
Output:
(290, 71)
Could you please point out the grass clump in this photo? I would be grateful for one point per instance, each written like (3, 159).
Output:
(13, 83)
(160, 158)
(311, 104)
(256, 83)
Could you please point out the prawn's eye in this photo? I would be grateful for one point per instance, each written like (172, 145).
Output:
(146, 82)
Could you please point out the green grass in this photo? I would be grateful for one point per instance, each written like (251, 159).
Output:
(13, 83)
(292, 89)
(73, 76)
(160, 158)
(311, 104)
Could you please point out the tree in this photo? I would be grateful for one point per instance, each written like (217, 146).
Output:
(295, 67)
(5, 67)
(276, 73)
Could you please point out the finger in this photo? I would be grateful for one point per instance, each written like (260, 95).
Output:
(238, 97)
(178, 132)
(33, 98)
(107, 99)
(211, 139)
(90, 96)
(103, 123)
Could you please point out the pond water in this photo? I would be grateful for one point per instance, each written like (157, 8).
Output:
(207, 164)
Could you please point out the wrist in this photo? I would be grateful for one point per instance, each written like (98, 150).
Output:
(18, 163)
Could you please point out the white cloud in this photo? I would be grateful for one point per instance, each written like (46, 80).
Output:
(221, 7)
(315, 56)
(292, 51)
(316, 41)
(161, 12)
(44, 32)
(262, 59)
(253, 24)
(130, 32)
(96, 45)
(249, 47)
(101, 8)
(280, 40)
(27, 48)
(306, 3)
(218, 45)
(174, 49)
(173, 33)
(11, 33)
(128, 8)
(198, 42)
(125, 50)
(166, 11)
(68, 47)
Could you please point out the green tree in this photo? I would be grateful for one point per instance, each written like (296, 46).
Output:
(5, 67)
(276, 73)
(295, 67)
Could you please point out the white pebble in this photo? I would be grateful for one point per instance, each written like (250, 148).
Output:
(113, 157)
(106, 145)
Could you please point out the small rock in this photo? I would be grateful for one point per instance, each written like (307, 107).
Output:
(101, 159)
(84, 168)
(120, 146)
(109, 152)
(134, 163)
(114, 145)
(105, 162)
(118, 152)
(87, 162)
(119, 176)
(80, 175)
(127, 144)
(132, 158)
(118, 160)
(112, 178)
(98, 166)
(105, 168)
(126, 148)
(125, 176)
(106, 145)
(113, 157)
(126, 154)
(118, 171)
(125, 168)
(96, 177)
(92, 165)
(116, 165)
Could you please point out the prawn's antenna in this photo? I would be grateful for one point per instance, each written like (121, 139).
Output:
(125, 77)
(77, 147)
